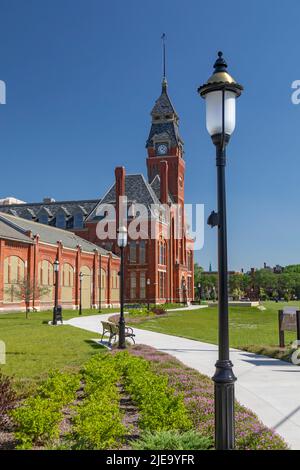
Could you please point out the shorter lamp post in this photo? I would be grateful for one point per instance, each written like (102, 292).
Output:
(184, 292)
(199, 292)
(148, 293)
(100, 283)
(56, 271)
(122, 243)
(80, 292)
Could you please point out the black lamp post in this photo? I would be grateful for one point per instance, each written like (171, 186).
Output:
(56, 272)
(80, 293)
(122, 243)
(199, 292)
(148, 292)
(220, 93)
(100, 283)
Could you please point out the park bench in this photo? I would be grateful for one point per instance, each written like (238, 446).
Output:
(113, 330)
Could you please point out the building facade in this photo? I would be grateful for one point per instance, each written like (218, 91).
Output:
(28, 251)
(159, 268)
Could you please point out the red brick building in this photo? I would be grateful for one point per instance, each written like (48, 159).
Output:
(160, 268)
(28, 251)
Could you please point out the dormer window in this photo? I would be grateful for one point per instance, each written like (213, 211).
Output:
(43, 219)
(60, 220)
(78, 220)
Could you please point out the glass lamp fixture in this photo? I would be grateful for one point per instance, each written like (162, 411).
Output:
(220, 92)
(56, 266)
(122, 237)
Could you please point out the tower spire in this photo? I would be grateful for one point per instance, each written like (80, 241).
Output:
(164, 80)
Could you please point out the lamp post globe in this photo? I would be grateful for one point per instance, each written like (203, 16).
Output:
(56, 273)
(122, 243)
(220, 93)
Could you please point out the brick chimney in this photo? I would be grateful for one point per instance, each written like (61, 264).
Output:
(163, 174)
(120, 189)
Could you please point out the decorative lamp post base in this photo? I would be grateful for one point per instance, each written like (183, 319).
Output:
(224, 379)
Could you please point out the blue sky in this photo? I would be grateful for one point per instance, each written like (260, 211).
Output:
(82, 77)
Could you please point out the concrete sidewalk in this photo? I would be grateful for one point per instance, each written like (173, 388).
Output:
(267, 386)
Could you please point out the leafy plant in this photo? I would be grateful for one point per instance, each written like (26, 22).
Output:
(98, 423)
(172, 440)
(60, 388)
(159, 408)
(37, 420)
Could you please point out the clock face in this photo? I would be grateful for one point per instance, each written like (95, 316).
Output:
(162, 149)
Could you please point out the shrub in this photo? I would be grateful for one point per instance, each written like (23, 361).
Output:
(59, 388)
(37, 421)
(159, 408)
(138, 312)
(8, 398)
(159, 310)
(98, 423)
(172, 440)
(38, 418)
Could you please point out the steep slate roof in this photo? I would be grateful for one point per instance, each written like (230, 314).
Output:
(163, 104)
(166, 127)
(33, 209)
(137, 190)
(48, 234)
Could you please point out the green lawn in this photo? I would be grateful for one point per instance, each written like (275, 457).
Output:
(248, 325)
(33, 347)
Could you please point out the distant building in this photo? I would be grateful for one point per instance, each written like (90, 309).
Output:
(27, 253)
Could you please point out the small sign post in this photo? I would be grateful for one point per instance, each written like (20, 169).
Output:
(288, 320)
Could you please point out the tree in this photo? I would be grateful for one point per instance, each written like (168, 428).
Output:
(26, 291)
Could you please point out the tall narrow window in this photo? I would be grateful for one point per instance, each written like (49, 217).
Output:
(142, 285)
(162, 284)
(132, 252)
(132, 286)
(162, 253)
(142, 252)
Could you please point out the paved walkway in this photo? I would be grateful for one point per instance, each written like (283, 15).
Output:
(267, 386)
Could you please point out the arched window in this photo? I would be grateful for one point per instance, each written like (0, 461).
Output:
(14, 274)
(67, 275)
(67, 282)
(60, 220)
(78, 220)
(45, 279)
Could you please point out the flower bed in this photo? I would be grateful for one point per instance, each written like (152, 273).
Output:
(174, 407)
(198, 392)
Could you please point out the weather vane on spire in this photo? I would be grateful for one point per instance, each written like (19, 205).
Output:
(163, 38)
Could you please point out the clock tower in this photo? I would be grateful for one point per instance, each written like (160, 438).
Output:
(165, 143)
